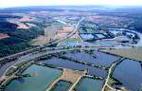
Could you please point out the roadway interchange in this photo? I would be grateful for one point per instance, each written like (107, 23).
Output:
(69, 35)
(15, 56)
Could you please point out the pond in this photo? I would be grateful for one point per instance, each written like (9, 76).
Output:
(129, 73)
(106, 43)
(76, 66)
(100, 58)
(41, 78)
(87, 36)
(61, 86)
(88, 84)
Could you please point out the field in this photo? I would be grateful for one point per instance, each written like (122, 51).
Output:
(133, 53)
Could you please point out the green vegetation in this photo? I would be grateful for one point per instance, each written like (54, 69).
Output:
(112, 81)
(73, 40)
(70, 42)
(18, 68)
(88, 27)
(19, 39)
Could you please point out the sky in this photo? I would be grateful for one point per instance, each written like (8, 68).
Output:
(17, 3)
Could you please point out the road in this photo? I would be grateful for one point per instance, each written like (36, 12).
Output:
(38, 55)
(49, 51)
(38, 48)
(69, 35)
(44, 53)
(112, 67)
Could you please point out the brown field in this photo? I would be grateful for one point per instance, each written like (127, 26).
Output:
(133, 53)
(25, 19)
(22, 26)
(72, 76)
(66, 29)
(3, 36)
(41, 40)
(60, 35)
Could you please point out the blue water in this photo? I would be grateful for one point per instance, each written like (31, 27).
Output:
(130, 74)
(87, 84)
(43, 77)
(72, 65)
(61, 86)
(101, 58)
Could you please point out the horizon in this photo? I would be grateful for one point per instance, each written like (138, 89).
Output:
(107, 3)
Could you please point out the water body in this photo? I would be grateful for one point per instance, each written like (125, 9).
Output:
(61, 86)
(130, 74)
(76, 66)
(87, 36)
(87, 84)
(106, 43)
(101, 58)
(42, 78)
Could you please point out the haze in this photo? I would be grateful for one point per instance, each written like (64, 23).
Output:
(17, 3)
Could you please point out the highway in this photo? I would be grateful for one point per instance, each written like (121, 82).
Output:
(43, 53)
(14, 56)
(19, 57)
(51, 51)
(33, 58)
(38, 52)
(69, 35)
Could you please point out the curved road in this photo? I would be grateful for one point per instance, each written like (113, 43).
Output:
(41, 47)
